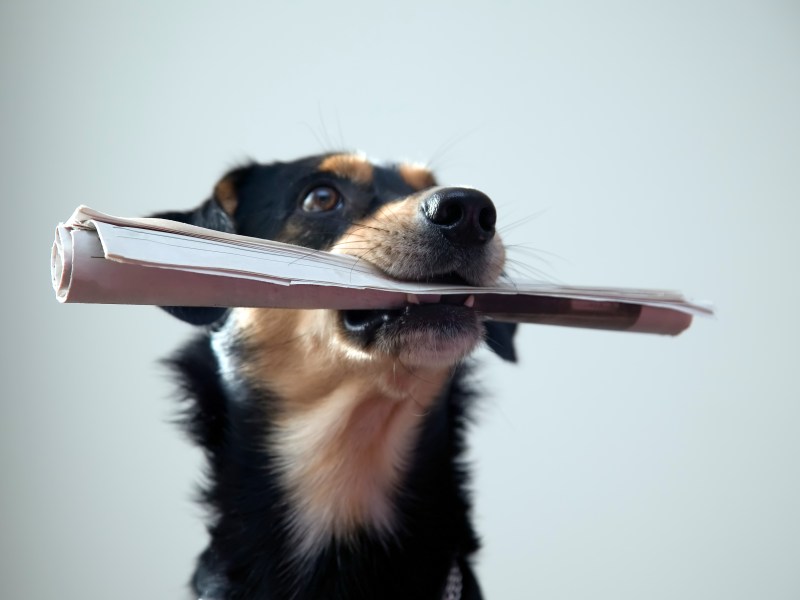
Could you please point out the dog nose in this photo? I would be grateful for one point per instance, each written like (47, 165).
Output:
(465, 216)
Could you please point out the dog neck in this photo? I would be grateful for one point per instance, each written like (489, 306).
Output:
(343, 423)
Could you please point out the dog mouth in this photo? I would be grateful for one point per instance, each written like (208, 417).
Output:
(364, 324)
(428, 328)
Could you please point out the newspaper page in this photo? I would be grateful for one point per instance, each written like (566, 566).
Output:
(99, 258)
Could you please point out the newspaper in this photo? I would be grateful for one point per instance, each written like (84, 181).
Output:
(99, 258)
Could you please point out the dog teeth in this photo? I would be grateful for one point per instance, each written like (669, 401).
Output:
(470, 301)
(412, 299)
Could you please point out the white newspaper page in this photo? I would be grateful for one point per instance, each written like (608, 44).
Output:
(106, 259)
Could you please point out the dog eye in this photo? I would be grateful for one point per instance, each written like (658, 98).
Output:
(322, 199)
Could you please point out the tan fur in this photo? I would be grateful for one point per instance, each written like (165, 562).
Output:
(346, 419)
(392, 240)
(387, 239)
(225, 193)
(354, 167)
(416, 175)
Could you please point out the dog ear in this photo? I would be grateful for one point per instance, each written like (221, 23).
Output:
(218, 212)
(500, 339)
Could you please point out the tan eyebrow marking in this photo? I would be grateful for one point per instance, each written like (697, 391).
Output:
(225, 193)
(354, 167)
(416, 175)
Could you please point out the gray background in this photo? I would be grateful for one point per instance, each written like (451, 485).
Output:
(652, 146)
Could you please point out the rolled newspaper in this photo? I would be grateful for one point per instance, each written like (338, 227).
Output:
(99, 258)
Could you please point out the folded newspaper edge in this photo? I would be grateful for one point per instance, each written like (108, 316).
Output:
(99, 258)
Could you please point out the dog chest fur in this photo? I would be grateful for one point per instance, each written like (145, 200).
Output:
(342, 425)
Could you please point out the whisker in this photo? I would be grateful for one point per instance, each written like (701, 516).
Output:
(520, 222)
(324, 127)
(504, 276)
(360, 226)
(342, 143)
(525, 247)
(385, 211)
(526, 269)
(436, 161)
(353, 244)
(359, 258)
(424, 411)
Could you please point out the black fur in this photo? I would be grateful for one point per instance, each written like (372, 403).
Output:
(248, 556)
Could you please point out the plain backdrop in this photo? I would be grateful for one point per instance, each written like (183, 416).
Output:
(625, 143)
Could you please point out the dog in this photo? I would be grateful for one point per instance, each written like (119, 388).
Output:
(334, 438)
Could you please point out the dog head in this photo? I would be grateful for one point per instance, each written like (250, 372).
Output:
(394, 216)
